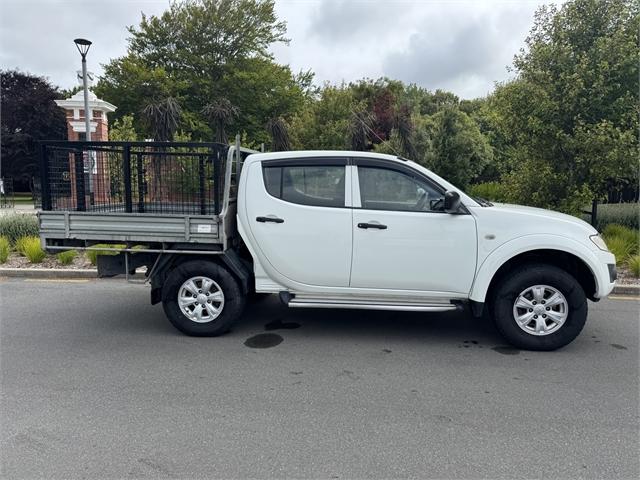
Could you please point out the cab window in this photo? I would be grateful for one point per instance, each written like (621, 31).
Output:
(315, 185)
(387, 189)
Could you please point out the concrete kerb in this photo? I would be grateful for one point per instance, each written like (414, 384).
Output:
(56, 273)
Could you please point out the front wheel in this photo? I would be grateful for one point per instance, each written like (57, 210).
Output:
(539, 307)
(202, 298)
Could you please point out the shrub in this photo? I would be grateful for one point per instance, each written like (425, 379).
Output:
(5, 247)
(67, 257)
(18, 225)
(631, 236)
(620, 247)
(634, 265)
(625, 214)
(19, 245)
(494, 191)
(30, 248)
(92, 255)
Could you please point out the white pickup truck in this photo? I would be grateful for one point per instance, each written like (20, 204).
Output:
(339, 229)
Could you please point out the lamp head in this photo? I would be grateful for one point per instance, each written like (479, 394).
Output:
(83, 46)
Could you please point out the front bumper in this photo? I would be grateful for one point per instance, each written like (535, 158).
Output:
(607, 274)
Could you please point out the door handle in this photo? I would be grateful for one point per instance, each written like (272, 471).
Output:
(379, 226)
(269, 219)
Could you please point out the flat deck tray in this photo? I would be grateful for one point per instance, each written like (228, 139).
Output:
(129, 227)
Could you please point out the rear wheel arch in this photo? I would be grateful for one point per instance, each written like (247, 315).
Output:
(228, 260)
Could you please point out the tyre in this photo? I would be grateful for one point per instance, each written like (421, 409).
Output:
(201, 298)
(539, 307)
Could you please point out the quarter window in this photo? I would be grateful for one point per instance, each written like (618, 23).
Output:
(386, 189)
(317, 185)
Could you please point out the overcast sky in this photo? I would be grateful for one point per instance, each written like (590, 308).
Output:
(460, 45)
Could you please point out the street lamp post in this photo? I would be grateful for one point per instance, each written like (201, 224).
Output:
(83, 47)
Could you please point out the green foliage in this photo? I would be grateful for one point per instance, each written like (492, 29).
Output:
(629, 236)
(457, 150)
(18, 225)
(627, 214)
(620, 247)
(323, 124)
(571, 113)
(122, 129)
(493, 191)
(67, 257)
(5, 248)
(30, 247)
(162, 117)
(634, 265)
(200, 50)
(92, 255)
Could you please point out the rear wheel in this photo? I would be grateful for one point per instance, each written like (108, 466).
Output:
(202, 298)
(539, 307)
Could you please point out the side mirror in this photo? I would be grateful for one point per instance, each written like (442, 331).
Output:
(451, 201)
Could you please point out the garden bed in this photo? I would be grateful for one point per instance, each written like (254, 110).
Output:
(80, 262)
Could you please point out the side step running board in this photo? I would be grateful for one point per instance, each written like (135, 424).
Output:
(295, 301)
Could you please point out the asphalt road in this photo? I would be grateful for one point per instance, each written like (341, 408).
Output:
(97, 384)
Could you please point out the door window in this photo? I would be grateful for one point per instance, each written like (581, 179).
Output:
(317, 185)
(386, 189)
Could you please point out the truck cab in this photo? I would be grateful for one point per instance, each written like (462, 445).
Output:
(340, 229)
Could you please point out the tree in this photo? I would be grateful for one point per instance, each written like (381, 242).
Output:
(280, 142)
(162, 117)
(403, 125)
(572, 112)
(220, 113)
(360, 127)
(199, 50)
(29, 114)
(323, 123)
(457, 150)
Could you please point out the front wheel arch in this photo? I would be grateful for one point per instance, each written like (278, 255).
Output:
(569, 262)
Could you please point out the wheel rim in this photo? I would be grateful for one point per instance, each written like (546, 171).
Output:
(540, 310)
(201, 299)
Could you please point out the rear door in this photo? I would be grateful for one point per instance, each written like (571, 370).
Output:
(402, 239)
(299, 216)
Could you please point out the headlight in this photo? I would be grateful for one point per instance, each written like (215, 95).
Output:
(599, 242)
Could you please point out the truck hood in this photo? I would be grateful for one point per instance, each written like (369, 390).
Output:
(544, 215)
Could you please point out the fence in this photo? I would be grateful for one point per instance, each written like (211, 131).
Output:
(143, 177)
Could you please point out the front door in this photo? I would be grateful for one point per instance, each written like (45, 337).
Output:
(402, 240)
(299, 217)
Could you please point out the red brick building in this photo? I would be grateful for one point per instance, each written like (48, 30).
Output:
(96, 174)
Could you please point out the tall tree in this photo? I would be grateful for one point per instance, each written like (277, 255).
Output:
(573, 111)
(200, 50)
(29, 114)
